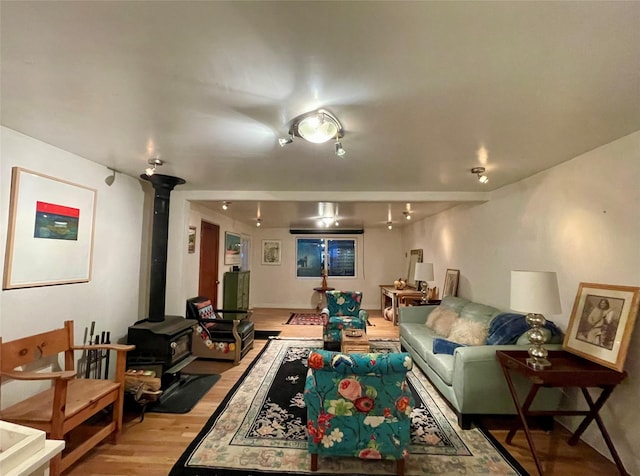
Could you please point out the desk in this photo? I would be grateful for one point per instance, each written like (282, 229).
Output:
(567, 370)
(321, 291)
(390, 291)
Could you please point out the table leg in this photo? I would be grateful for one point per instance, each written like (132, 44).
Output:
(394, 308)
(521, 414)
(594, 415)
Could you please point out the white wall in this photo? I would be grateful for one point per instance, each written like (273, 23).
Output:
(580, 219)
(111, 297)
(381, 260)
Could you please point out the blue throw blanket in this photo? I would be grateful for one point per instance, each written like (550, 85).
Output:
(506, 328)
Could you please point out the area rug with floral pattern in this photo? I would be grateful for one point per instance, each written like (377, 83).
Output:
(260, 427)
(305, 319)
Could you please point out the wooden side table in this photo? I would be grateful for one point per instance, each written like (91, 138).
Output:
(567, 370)
(354, 345)
(321, 291)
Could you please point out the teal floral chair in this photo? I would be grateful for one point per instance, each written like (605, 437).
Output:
(358, 405)
(342, 312)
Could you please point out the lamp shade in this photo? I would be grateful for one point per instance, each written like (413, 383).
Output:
(423, 272)
(535, 292)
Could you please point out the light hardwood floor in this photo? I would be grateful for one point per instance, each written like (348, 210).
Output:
(150, 447)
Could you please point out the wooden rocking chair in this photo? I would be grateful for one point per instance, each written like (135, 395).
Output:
(71, 403)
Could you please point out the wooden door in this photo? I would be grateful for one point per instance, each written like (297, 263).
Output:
(209, 252)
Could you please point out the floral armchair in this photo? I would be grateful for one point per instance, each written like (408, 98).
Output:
(358, 405)
(342, 312)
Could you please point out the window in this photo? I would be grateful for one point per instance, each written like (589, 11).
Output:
(337, 257)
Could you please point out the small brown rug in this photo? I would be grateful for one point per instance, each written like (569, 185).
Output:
(305, 319)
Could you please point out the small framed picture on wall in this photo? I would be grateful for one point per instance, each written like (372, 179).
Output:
(231, 248)
(271, 252)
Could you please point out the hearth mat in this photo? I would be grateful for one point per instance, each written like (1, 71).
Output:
(183, 395)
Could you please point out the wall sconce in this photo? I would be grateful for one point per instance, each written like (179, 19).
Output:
(258, 222)
(225, 205)
(479, 171)
(407, 215)
(389, 225)
(155, 163)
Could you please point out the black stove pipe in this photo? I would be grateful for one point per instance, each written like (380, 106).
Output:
(162, 185)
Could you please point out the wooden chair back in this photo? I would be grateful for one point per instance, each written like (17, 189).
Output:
(63, 409)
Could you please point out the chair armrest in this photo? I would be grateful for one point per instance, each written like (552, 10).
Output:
(21, 375)
(117, 347)
(364, 315)
(247, 314)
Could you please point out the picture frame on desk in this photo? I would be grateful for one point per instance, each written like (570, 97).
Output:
(451, 278)
(602, 322)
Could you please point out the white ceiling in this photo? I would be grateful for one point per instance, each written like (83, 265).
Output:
(424, 90)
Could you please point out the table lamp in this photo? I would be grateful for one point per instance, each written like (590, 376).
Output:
(535, 293)
(423, 273)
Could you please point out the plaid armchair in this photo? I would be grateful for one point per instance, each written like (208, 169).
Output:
(358, 405)
(342, 312)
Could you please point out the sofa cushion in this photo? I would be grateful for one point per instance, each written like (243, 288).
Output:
(454, 303)
(468, 331)
(479, 312)
(440, 320)
(444, 346)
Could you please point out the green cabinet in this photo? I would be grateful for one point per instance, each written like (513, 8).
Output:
(236, 290)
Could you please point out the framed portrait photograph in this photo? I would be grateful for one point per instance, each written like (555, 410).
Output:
(271, 252)
(451, 278)
(231, 248)
(50, 233)
(602, 322)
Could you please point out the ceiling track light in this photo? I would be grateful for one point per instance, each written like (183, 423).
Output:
(225, 205)
(479, 171)
(339, 149)
(285, 140)
(155, 163)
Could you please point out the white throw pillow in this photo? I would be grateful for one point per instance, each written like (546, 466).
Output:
(440, 320)
(468, 332)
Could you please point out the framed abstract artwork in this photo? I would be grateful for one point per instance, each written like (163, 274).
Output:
(50, 232)
(231, 248)
(271, 252)
(601, 323)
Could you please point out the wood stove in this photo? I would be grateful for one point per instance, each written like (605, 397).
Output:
(163, 343)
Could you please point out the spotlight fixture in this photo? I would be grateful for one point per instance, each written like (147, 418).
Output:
(258, 222)
(225, 205)
(339, 149)
(407, 215)
(285, 140)
(111, 178)
(389, 225)
(155, 163)
(479, 171)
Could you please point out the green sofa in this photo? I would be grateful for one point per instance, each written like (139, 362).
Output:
(470, 379)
